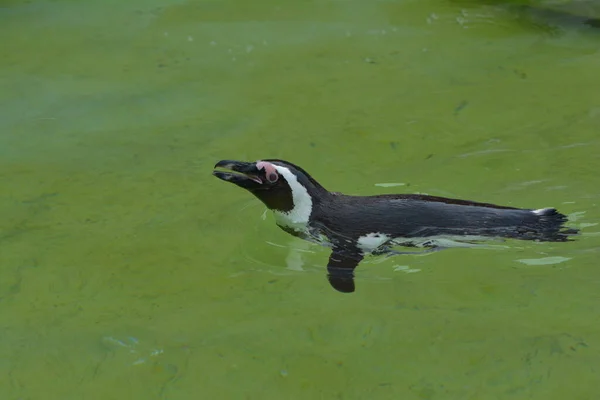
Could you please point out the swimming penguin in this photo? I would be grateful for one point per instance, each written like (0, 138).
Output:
(354, 226)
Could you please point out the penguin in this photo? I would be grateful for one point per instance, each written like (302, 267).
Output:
(356, 226)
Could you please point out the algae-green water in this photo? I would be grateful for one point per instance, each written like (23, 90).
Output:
(127, 271)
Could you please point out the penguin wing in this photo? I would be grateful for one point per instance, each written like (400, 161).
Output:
(340, 268)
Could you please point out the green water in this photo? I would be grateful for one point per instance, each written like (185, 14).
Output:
(128, 272)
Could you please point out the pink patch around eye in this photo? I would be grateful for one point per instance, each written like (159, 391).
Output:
(270, 171)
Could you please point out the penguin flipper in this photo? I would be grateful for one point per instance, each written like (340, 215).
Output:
(340, 269)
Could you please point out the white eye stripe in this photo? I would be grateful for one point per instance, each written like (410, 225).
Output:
(300, 214)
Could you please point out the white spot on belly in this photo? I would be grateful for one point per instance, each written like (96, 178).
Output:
(372, 241)
(445, 241)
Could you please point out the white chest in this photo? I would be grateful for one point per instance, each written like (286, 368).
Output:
(287, 220)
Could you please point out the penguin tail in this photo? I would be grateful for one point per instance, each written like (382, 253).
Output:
(549, 226)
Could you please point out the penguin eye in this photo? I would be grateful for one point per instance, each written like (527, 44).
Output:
(270, 171)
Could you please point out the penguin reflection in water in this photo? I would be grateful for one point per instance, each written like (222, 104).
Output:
(354, 226)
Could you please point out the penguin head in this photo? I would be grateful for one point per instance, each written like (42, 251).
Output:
(280, 185)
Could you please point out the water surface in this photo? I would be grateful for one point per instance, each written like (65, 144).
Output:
(128, 271)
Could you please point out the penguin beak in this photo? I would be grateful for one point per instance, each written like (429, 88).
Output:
(244, 174)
